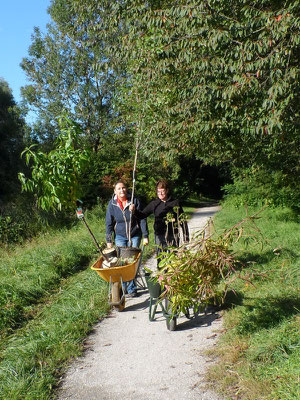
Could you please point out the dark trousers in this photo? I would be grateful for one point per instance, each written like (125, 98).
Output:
(162, 242)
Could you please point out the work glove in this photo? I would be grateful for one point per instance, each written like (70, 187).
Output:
(146, 241)
(79, 213)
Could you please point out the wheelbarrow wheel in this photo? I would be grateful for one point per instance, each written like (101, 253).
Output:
(117, 296)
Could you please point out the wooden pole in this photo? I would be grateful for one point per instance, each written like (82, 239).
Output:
(133, 186)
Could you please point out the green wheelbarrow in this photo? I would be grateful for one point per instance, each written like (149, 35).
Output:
(155, 292)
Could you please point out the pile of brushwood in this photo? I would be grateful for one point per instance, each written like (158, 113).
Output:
(203, 270)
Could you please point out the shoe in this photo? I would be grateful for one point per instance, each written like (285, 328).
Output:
(132, 294)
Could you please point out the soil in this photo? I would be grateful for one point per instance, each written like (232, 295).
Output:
(130, 357)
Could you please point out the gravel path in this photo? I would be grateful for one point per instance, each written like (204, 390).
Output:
(128, 357)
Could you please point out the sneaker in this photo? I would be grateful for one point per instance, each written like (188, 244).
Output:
(132, 294)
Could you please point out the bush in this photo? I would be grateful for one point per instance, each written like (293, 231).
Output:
(21, 220)
(258, 187)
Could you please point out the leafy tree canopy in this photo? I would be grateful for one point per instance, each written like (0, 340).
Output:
(218, 79)
(12, 131)
(68, 75)
(212, 80)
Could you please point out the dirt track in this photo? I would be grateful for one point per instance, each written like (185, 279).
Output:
(128, 357)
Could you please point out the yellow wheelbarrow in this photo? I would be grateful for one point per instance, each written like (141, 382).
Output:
(116, 276)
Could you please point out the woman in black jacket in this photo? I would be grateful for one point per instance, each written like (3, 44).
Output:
(167, 216)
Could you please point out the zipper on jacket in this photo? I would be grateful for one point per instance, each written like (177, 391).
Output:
(124, 216)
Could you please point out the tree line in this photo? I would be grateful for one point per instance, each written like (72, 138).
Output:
(199, 83)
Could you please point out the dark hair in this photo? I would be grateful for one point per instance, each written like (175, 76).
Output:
(162, 184)
(120, 181)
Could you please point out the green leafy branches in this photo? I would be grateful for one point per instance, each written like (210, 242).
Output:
(191, 274)
(55, 174)
(218, 79)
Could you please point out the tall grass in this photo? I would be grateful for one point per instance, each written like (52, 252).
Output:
(32, 271)
(49, 302)
(260, 350)
(32, 359)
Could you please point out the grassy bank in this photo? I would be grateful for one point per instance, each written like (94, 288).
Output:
(260, 349)
(33, 357)
(30, 273)
(50, 300)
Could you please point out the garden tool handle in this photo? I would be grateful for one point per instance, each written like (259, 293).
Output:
(80, 215)
(132, 197)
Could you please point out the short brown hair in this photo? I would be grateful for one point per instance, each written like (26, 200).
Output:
(120, 181)
(162, 184)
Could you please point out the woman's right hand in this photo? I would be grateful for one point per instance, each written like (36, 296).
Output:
(132, 207)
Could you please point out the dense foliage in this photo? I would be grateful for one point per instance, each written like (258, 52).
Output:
(201, 83)
(12, 133)
(217, 79)
(213, 80)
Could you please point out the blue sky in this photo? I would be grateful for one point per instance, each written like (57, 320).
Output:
(17, 20)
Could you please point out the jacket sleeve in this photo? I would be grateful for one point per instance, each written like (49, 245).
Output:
(142, 217)
(109, 223)
(145, 212)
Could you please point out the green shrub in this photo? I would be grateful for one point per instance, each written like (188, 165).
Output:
(258, 187)
(21, 220)
(10, 231)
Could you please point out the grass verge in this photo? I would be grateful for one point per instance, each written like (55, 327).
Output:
(50, 301)
(30, 273)
(33, 357)
(259, 352)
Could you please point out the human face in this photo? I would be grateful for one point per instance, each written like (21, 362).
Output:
(121, 191)
(162, 194)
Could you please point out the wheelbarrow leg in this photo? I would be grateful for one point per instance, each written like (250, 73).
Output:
(171, 321)
(139, 279)
(117, 295)
(152, 303)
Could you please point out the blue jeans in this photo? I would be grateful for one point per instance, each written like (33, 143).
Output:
(122, 241)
